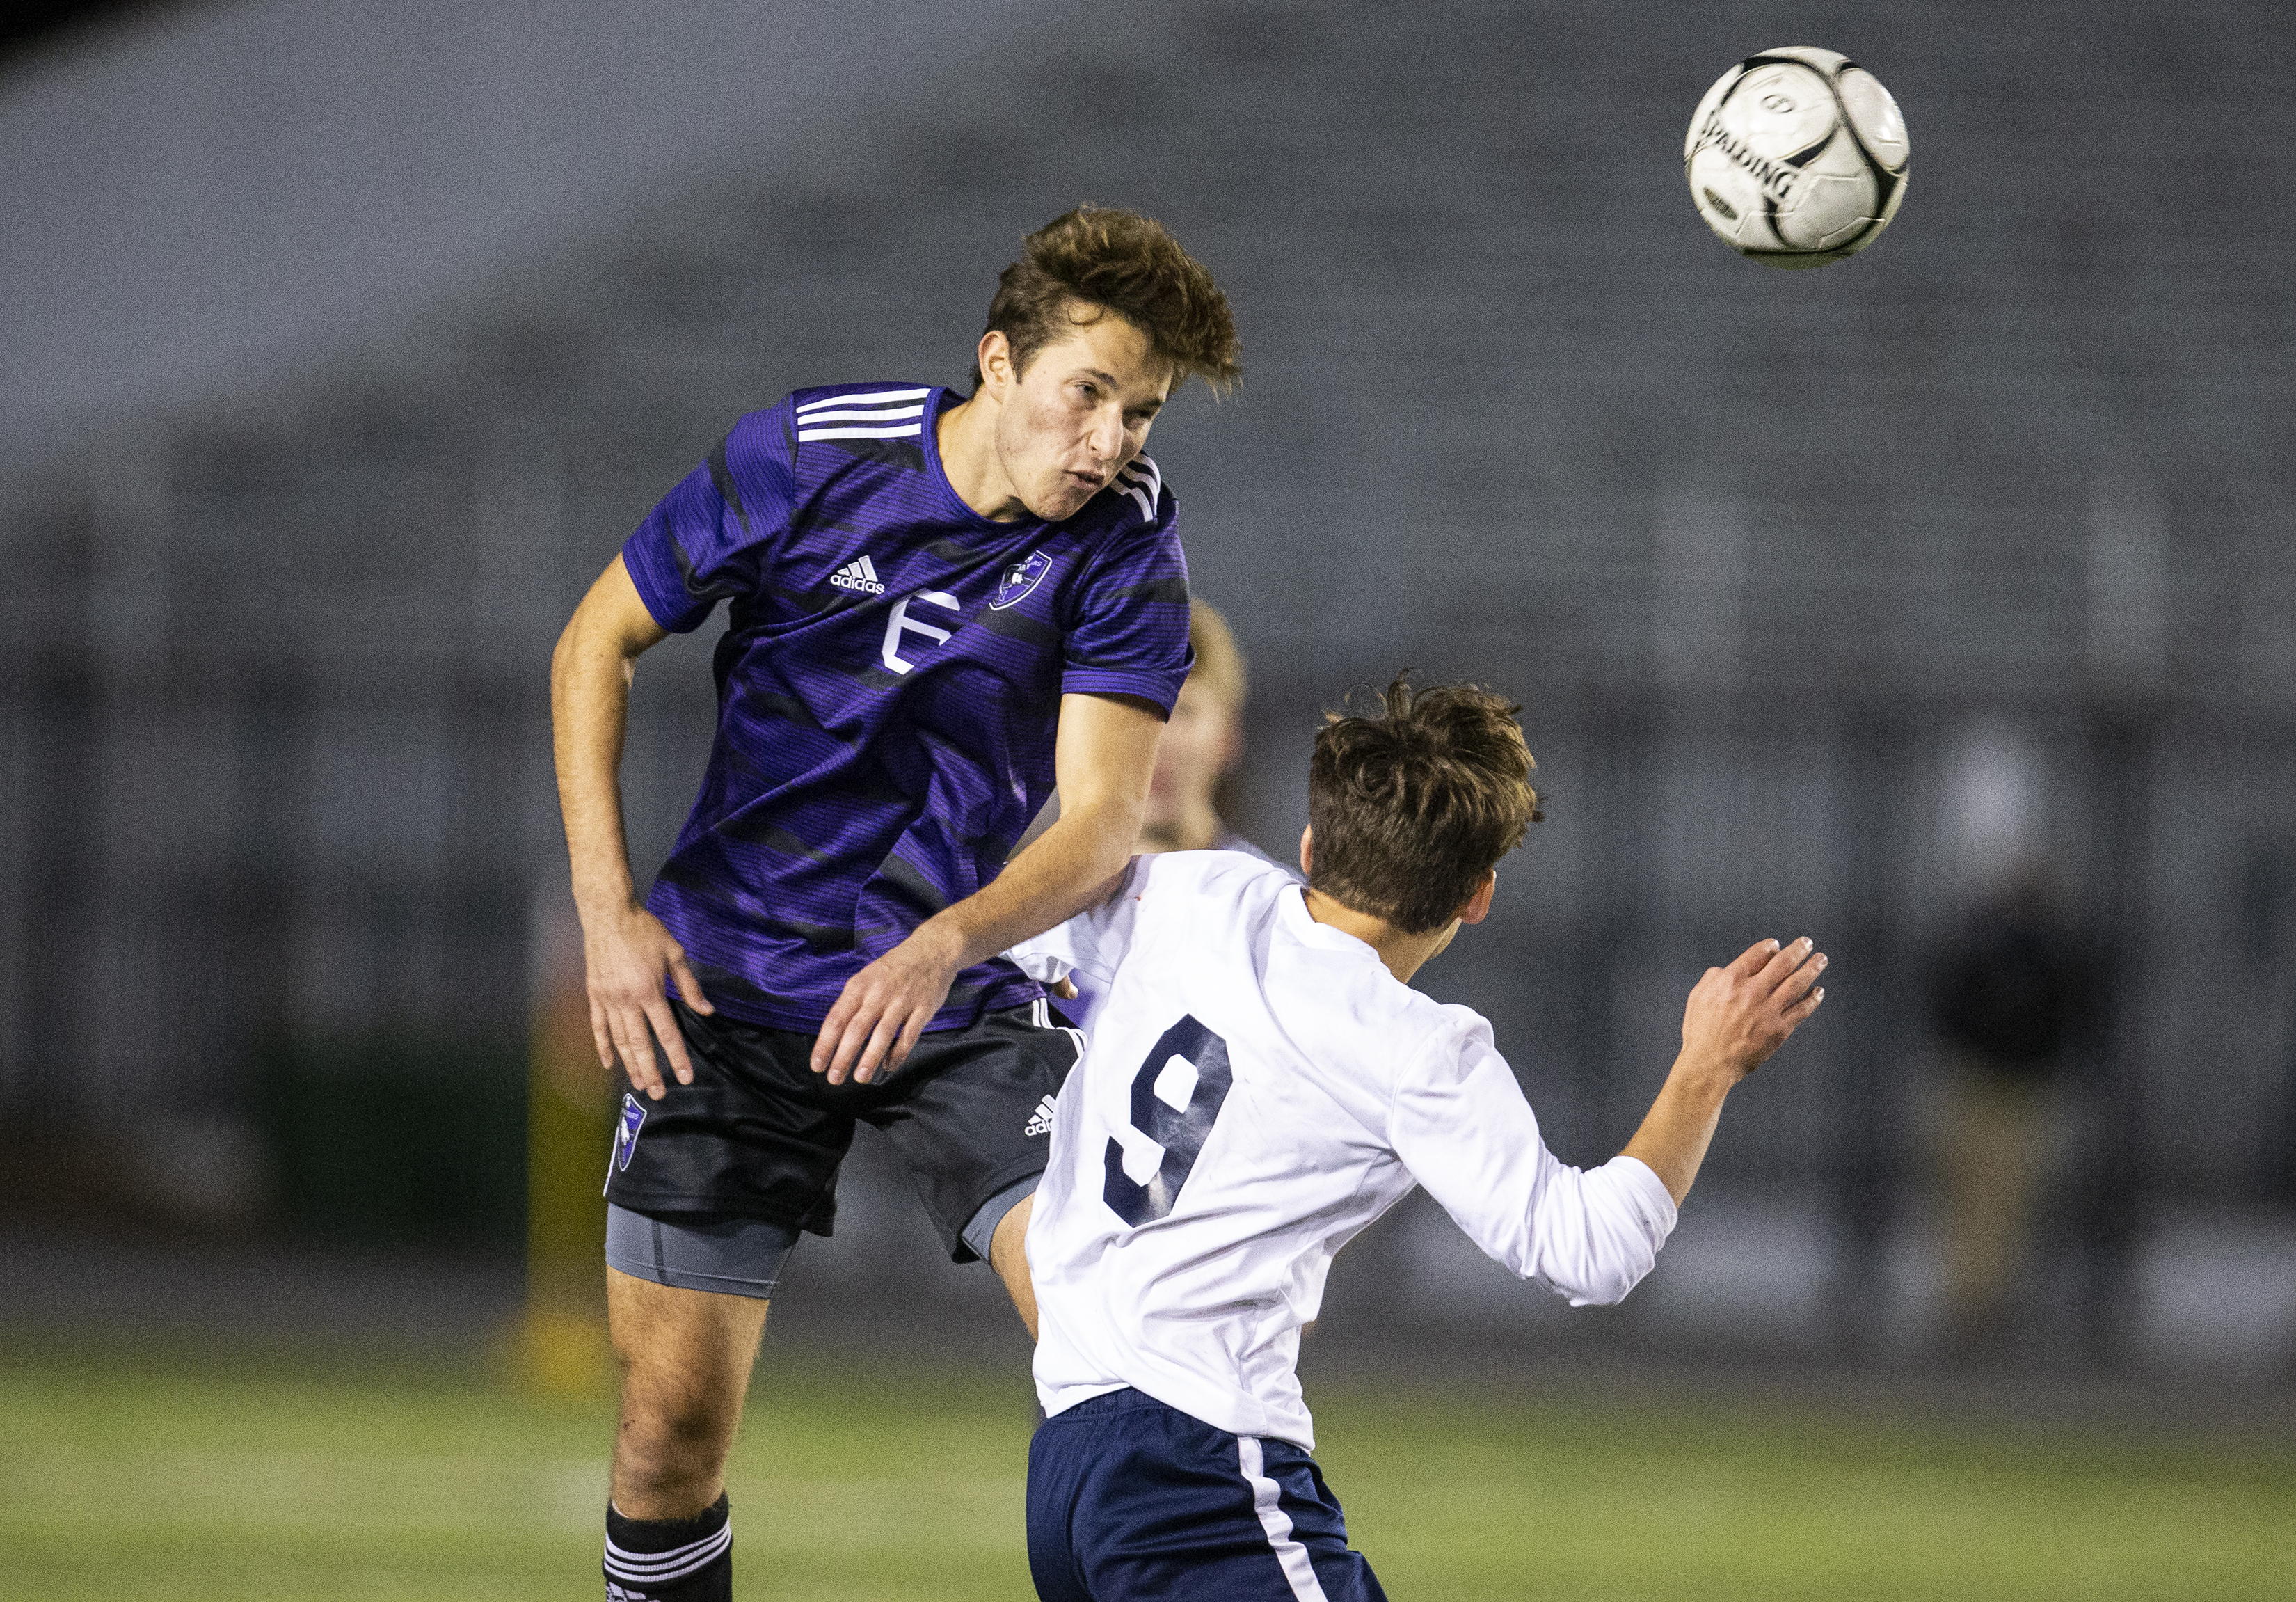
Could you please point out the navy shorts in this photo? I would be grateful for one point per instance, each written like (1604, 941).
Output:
(1130, 1500)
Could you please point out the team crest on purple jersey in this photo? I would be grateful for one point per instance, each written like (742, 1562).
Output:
(626, 1134)
(1019, 579)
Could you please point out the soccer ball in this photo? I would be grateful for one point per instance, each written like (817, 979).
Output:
(1797, 157)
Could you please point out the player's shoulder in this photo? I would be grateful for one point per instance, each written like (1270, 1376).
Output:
(1339, 996)
(1218, 874)
(1136, 500)
(875, 403)
(829, 426)
(1194, 906)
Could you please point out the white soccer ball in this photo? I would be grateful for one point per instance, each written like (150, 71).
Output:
(1797, 157)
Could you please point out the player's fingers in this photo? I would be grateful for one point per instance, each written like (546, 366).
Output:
(1750, 961)
(874, 1055)
(672, 1038)
(851, 1041)
(638, 1053)
(601, 1037)
(689, 988)
(832, 1032)
(1794, 985)
(911, 1033)
(1787, 958)
(1802, 1009)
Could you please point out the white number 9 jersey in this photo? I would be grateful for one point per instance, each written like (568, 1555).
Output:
(1256, 1090)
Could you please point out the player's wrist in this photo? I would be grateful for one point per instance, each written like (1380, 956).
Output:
(1706, 1072)
(941, 940)
(604, 911)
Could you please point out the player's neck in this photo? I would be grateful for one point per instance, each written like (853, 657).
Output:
(1403, 953)
(966, 436)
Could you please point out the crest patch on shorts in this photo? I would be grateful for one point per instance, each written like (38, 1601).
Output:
(626, 1133)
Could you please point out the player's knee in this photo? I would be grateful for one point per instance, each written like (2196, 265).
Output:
(678, 1420)
(671, 1450)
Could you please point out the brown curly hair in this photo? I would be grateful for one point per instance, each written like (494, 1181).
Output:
(1413, 802)
(1127, 264)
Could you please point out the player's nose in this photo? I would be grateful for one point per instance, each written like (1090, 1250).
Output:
(1106, 438)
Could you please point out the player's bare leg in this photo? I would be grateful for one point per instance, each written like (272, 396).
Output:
(1007, 1256)
(686, 1358)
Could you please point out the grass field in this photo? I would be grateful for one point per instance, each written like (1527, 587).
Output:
(125, 1478)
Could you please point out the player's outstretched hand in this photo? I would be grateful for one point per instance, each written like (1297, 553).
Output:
(1738, 1016)
(884, 1007)
(626, 952)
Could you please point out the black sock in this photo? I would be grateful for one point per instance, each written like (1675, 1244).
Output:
(670, 1559)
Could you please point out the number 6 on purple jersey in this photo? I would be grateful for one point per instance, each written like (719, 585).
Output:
(1175, 1096)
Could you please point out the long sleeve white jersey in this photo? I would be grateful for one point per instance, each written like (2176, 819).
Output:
(1259, 1089)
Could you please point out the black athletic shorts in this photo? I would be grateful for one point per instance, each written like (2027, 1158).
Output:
(758, 1134)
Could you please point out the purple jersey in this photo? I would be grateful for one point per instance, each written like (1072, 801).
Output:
(889, 687)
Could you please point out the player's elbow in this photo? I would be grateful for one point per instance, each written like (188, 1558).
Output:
(564, 654)
(1606, 1282)
(1594, 1244)
(1103, 832)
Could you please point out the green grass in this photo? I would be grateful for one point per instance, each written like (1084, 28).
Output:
(1456, 1499)
(125, 1478)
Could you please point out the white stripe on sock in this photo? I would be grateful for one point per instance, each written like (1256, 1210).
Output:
(656, 1568)
(1266, 1501)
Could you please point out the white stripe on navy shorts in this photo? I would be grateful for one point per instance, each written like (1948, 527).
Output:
(1111, 1479)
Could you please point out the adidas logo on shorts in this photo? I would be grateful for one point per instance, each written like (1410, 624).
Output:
(861, 575)
(1042, 1123)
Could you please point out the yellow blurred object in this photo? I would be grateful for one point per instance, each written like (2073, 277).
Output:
(561, 1351)
(560, 1347)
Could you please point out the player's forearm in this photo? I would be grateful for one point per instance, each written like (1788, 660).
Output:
(1680, 1125)
(589, 712)
(1071, 866)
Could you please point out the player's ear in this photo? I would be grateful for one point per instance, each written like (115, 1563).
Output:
(1308, 851)
(1478, 906)
(996, 358)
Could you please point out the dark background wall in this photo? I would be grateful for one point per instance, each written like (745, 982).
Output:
(1822, 591)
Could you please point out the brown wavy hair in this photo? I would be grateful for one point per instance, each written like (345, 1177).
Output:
(1127, 264)
(1414, 802)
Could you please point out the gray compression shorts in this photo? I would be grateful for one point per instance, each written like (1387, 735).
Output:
(744, 1257)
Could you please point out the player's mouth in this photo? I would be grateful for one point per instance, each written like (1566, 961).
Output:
(1091, 483)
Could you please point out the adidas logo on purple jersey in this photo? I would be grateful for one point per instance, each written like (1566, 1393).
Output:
(861, 575)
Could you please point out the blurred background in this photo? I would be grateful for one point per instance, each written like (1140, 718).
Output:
(1939, 605)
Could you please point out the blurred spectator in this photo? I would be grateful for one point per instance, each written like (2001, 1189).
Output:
(2012, 995)
(1203, 741)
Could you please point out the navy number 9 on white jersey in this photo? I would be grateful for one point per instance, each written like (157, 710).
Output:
(1175, 1096)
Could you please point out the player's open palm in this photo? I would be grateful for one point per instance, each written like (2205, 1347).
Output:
(627, 953)
(1740, 1014)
